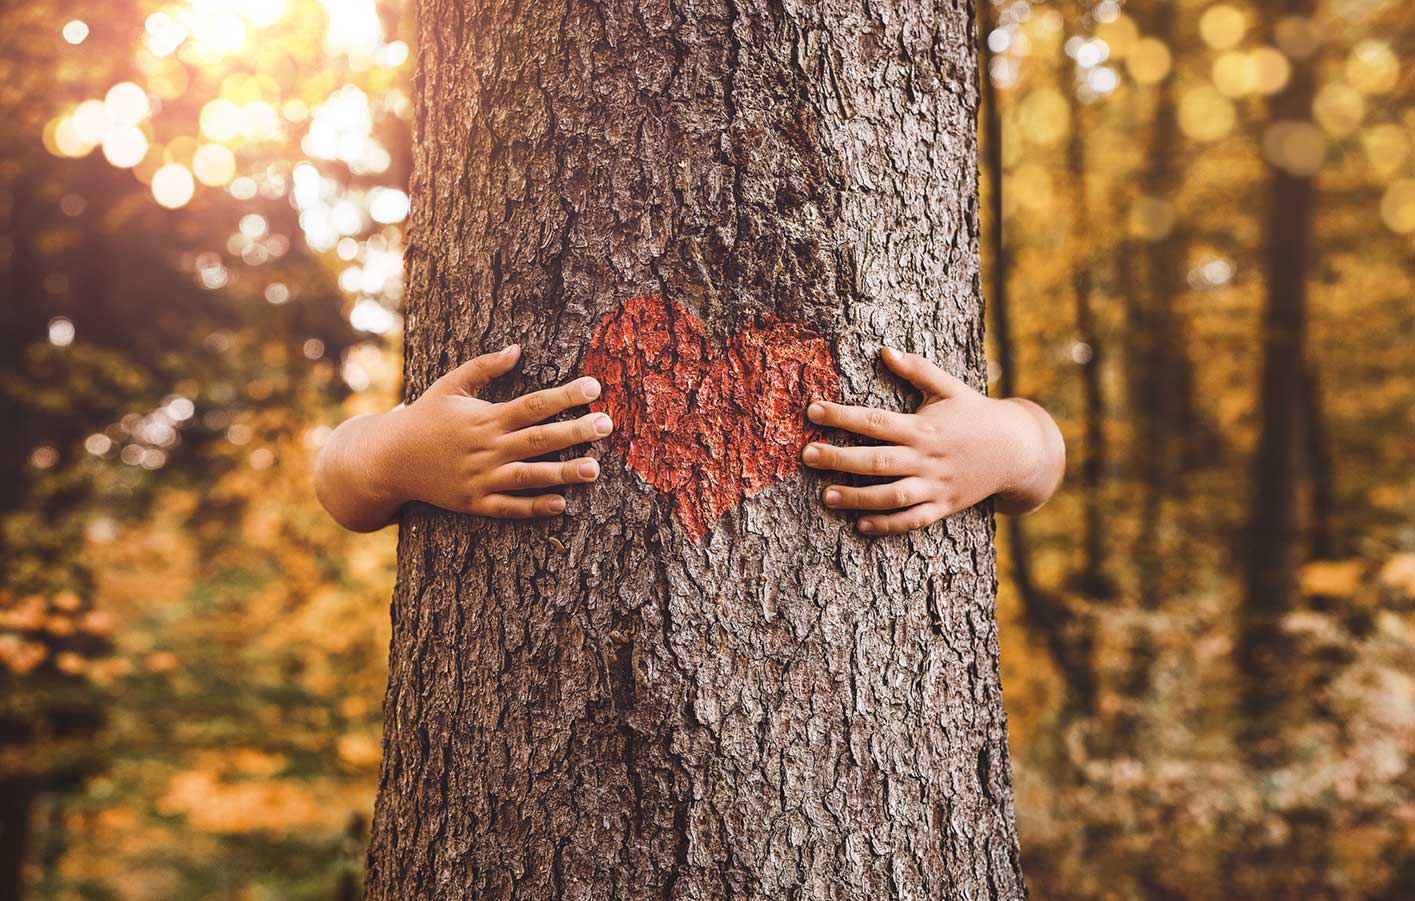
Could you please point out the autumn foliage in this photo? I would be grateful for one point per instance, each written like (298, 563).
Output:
(1204, 273)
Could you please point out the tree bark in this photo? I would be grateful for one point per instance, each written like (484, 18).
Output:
(617, 703)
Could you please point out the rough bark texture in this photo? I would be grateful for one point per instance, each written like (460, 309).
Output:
(777, 708)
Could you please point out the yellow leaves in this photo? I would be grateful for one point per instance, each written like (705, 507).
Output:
(1338, 579)
(359, 750)
(211, 804)
(20, 656)
(1398, 573)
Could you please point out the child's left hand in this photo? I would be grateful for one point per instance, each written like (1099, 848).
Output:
(957, 449)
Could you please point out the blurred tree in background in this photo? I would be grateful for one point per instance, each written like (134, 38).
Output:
(1200, 217)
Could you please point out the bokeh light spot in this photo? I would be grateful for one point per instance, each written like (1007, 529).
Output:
(220, 119)
(172, 186)
(1339, 108)
(62, 331)
(75, 31)
(1150, 61)
(124, 146)
(1222, 26)
(1206, 115)
(1044, 116)
(1298, 148)
(1387, 148)
(1398, 207)
(1372, 67)
(214, 164)
(126, 103)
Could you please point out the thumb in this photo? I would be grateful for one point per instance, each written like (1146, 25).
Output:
(923, 374)
(476, 373)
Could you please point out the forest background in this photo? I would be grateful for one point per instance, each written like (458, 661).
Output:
(1200, 228)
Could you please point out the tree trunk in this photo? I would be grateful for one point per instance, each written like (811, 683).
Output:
(1273, 546)
(1321, 543)
(1094, 578)
(675, 691)
(16, 806)
(999, 311)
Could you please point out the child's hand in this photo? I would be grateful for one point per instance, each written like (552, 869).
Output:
(455, 451)
(957, 449)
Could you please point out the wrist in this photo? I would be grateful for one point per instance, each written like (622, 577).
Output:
(383, 482)
(1038, 458)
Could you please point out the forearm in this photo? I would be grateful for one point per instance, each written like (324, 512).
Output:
(1040, 460)
(349, 477)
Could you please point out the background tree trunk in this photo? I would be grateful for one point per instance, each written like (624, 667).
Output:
(777, 708)
(1274, 551)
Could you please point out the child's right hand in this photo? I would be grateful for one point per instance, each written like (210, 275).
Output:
(451, 449)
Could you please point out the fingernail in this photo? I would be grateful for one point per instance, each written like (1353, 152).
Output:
(832, 497)
(592, 389)
(867, 525)
(588, 469)
(811, 454)
(815, 411)
(557, 504)
(603, 424)
(511, 348)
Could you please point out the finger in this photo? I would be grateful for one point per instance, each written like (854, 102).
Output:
(477, 372)
(915, 517)
(529, 409)
(869, 461)
(508, 506)
(517, 476)
(890, 496)
(923, 374)
(554, 436)
(882, 424)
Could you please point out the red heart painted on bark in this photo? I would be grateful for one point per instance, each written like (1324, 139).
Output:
(707, 426)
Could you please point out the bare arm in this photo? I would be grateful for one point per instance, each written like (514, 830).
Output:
(453, 450)
(957, 449)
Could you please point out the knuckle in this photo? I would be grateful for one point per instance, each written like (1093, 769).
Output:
(537, 403)
(899, 497)
(875, 419)
(537, 439)
(880, 462)
(522, 475)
